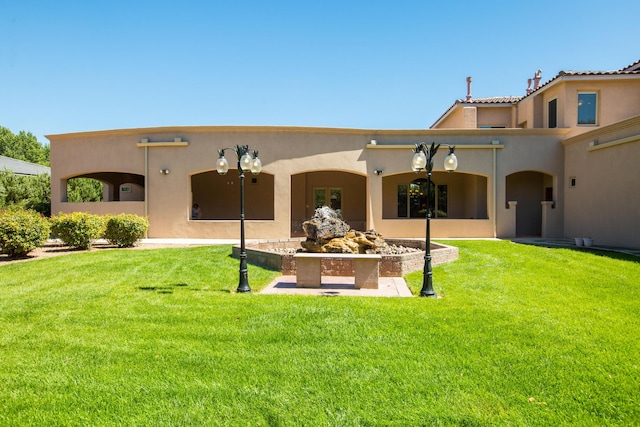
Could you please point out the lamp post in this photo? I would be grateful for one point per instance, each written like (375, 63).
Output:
(423, 160)
(246, 162)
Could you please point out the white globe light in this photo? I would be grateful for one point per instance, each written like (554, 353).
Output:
(419, 161)
(245, 162)
(450, 162)
(222, 165)
(256, 166)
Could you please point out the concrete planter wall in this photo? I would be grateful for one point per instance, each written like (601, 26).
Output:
(265, 254)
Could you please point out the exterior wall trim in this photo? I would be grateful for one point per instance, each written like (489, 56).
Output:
(624, 124)
(613, 143)
(372, 133)
(411, 146)
(163, 144)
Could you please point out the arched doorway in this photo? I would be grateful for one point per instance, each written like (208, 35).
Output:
(529, 189)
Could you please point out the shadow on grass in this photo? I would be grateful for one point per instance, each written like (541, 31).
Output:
(619, 254)
(609, 254)
(168, 289)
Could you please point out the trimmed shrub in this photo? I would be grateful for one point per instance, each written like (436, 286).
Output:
(77, 229)
(125, 230)
(21, 232)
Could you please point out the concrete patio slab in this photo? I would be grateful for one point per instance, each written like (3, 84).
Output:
(340, 286)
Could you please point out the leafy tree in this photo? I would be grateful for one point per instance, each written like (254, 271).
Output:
(39, 193)
(23, 146)
(84, 190)
(26, 192)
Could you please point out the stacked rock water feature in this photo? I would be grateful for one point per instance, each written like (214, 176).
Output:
(327, 233)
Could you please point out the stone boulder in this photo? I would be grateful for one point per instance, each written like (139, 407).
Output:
(325, 225)
(341, 245)
(313, 245)
(327, 232)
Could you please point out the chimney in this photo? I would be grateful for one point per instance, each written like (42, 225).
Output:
(468, 88)
(529, 90)
(536, 79)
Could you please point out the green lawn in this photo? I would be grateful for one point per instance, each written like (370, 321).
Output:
(522, 335)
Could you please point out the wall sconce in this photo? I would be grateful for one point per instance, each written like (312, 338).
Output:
(378, 171)
(165, 171)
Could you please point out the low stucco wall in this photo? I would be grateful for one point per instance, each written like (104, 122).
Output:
(440, 228)
(101, 208)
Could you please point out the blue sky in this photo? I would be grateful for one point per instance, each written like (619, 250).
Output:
(73, 66)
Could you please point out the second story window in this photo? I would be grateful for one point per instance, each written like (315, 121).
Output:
(553, 113)
(587, 108)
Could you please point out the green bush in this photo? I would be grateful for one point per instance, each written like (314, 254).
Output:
(77, 229)
(21, 232)
(125, 230)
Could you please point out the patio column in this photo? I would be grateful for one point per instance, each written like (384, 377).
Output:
(510, 220)
(546, 230)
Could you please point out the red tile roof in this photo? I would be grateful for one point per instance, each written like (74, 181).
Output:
(633, 69)
(490, 100)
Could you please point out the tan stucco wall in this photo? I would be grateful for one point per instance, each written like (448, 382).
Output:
(454, 120)
(465, 116)
(617, 100)
(286, 152)
(102, 208)
(495, 116)
(605, 202)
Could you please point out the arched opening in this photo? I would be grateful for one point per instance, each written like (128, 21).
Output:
(529, 189)
(343, 191)
(116, 187)
(452, 195)
(218, 196)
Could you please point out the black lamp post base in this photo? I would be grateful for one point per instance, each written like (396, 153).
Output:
(243, 288)
(243, 283)
(428, 294)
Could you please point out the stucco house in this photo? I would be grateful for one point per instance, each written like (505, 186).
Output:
(559, 161)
